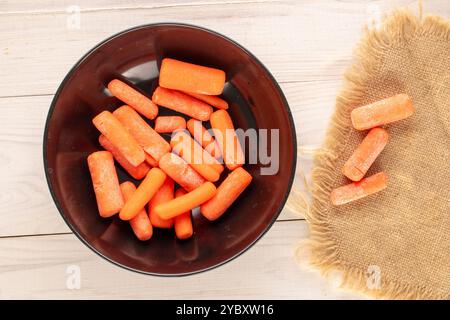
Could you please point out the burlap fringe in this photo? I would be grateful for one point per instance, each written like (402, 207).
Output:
(397, 28)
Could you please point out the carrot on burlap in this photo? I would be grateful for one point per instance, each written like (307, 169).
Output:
(179, 75)
(164, 194)
(227, 139)
(105, 182)
(228, 191)
(180, 171)
(211, 100)
(199, 132)
(140, 224)
(358, 190)
(186, 202)
(149, 139)
(146, 190)
(365, 154)
(133, 98)
(183, 222)
(119, 136)
(168, 124)
(137, 172)
(382, 112)
(183, 103)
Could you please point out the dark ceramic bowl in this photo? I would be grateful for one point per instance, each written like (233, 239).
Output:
(256, 101)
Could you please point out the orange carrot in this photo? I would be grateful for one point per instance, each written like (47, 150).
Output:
(105, 182)
(358, 190)
(211, 100)
(199, 132)
(149, 139)
(164, 194)
(136, 172)
(133, 98)
(227, 139)
(364, 156)
(150, 160)
(186, 202)
(228, 191)
(182, 103)
(169, 124)
(179, 75)
(146, 190)
(382, 112)
(112, 129)
(180, 171)
(200, 160)
(183, 222)
(140, 224)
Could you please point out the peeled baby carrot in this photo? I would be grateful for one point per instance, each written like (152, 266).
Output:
(211, 100)
(179, 75)
(105, 182)
(140, 224)
(227, 139)
(164, 194)
(358, 190)
(182, 103)
(228, 191)
(180, 171)
(150, 160)
(200, 160)
(149, 139)
(169, 124)
(133, 98)
(146, 190)
(382, 112)
(138, 172)
(186, 202)
(183, 222)
(365, 154)
(199, 132)
(112, 129)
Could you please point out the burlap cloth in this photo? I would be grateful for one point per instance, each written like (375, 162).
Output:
(394, 244)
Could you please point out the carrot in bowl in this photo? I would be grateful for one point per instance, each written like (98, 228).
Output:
(179, 75)
(105, 182)
(199, 132)
(182, 173)
(183, 222)
(211, 100)
(169, 124)
(140, 224)
(164, 194)
(228, 191)
(133, 98)
(112, 129)
(365, 154)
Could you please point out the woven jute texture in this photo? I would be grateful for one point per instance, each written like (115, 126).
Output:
(394, 244)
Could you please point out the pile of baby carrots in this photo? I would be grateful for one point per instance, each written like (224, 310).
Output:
(191, 160)
(370, 117)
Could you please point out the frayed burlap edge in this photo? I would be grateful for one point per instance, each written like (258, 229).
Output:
(397, 28)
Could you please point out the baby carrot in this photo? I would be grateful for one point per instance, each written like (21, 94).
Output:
(146, 190)
(358, 190)
(199, 132)
(169, 124)
(106, 183)
(382, 112)
(182, 103)
(186, 202)
(228, 191)
(140, 224)
(150, 160)
(112, 129)
(211, 100)
(133, 98)
(138, 172)
(183, 222)
(149, 139)
(180, 171)
(227, 139)
(179, 75)
(164, 194)
(365, 154)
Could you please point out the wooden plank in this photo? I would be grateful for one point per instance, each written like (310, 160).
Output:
(35, 267)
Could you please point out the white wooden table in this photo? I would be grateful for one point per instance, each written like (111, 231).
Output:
(306, 44)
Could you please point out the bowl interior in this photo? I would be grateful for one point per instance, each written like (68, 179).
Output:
(135, 55)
